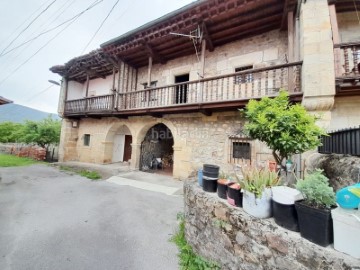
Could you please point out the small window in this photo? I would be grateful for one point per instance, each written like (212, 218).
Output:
(152, 84)
(86, 139)
(241, 150)
(243, 78)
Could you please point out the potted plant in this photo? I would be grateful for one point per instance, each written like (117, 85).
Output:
(256, 183)
(234, 194)
(314, 212)
(222, 185)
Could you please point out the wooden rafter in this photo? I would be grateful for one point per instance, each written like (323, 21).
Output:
(284, 15)
(155, 55)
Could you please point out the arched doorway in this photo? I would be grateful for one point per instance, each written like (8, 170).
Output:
(122, 145)
(156, 153)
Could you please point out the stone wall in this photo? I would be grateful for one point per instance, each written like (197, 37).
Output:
(345, 113)
(236, 240)
(198, 139)
(342, 170)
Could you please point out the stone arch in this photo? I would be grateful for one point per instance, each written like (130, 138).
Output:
(118, 143)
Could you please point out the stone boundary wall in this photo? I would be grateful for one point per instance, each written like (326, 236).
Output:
(23, 150)
(228, 235)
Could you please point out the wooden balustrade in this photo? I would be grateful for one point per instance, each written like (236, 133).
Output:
(347, 59)
(103, 103)
(243, 85)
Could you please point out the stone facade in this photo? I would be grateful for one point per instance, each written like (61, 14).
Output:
(198, 139)
(236, 240)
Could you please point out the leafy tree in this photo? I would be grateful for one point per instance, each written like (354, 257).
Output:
(287, 129)
(43, 133)
(9, 132)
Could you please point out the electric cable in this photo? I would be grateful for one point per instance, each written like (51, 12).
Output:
(102, 23)
(22, 31)
(53, 28)
(48, 42)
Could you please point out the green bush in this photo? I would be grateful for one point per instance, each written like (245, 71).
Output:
(316, 190)
(188, 259)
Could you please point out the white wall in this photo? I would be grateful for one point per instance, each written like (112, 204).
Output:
(75, 90)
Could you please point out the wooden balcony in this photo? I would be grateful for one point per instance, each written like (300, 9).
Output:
(347, 68)
(220, 93)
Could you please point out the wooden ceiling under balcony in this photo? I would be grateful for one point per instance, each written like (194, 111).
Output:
(221, 21)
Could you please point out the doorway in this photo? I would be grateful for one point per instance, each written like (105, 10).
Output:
(157, 150)
(122, 145)
(181, 91)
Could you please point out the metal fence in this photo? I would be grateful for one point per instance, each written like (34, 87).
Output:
(345, 141)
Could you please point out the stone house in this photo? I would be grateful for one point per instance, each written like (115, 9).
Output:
(169, 91)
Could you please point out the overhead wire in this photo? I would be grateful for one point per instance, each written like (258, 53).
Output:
(52, 29)
(102, 23)
(59, 12)
(22, 31)
(48, 42)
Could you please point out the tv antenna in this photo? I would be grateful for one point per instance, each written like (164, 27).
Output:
(195, 36)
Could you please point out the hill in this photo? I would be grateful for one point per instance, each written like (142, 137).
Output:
(17, 113)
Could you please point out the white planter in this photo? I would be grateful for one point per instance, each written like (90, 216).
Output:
(346, 231)
(257, 207)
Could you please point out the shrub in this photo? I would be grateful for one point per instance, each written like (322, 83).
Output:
(316, 190)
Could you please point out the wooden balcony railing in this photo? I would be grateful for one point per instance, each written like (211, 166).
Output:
(99, 104)
(347, 59)
(239, 86)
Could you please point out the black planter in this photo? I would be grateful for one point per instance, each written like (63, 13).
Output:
(210, 174)
(209, 184)
(285, 216)
(235, 195)
(211, 168)
(222, 189)
(315, 224)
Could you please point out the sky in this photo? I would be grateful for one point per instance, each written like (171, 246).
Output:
(38, 34)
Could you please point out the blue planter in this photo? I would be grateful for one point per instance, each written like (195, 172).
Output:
(200, 178)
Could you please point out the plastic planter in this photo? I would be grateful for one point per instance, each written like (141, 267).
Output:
(234, 196)
(209, 184)
(315, 224)
(222, 188)
(257, 207)
(285, 215)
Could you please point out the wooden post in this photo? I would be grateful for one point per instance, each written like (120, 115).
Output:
(336, 39)
(118, 87)
(149, 79)
(290, 50)
(87, 91)
(202, 70)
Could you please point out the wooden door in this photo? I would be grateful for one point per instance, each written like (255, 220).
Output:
(127, 147)
(118, 150)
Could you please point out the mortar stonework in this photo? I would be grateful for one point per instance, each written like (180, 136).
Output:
(198, 139)
(237, 241)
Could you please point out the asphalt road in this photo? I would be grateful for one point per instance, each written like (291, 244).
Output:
(52, 220)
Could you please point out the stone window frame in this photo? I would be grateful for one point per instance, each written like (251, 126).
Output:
(244, 78)
(87, 139)
(242, 139)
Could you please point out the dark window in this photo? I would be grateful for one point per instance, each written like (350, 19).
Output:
(86, 139)
(152, 84)
(241, 150)
(181, 91)
(243, 78)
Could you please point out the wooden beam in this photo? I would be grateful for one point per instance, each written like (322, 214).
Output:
(284, 15)
(149, 72)
(155, 55)
(290, 17)
(207, 37)
(87, 85)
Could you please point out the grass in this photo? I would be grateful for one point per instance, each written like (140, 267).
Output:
(93, 175)
(15, 161)
(188, 259)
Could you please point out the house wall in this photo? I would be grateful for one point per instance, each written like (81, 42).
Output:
(261, 50)
(349, 27)
(198, 139)
(345, 113)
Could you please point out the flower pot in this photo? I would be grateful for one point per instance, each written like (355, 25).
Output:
(234, 195)
(347, 231)
(211, 168)
(210, 174)
(257, 207)
(209, 184)
(315, 224)
(283, 206)
(222, 188)
(200, 176)
(285, 215)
